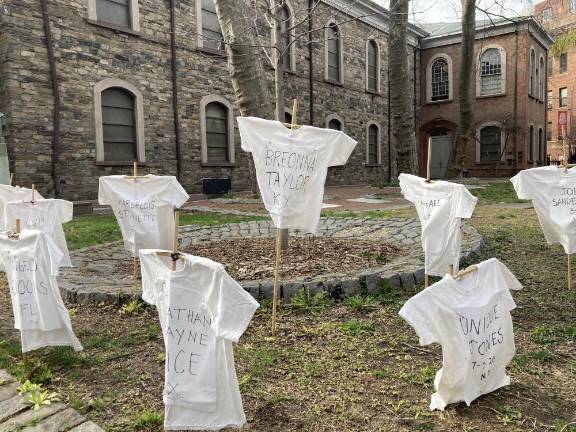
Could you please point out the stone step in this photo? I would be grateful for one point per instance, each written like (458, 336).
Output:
(10, 407)
(87, 427)
(30, 417)
(60, 422)
(8, 390)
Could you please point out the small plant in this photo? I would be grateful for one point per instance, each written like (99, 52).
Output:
(356, 327)
(131, 308)
(361, 302)
(147, 418)
(72, 312)
(311, 302)
(35, 396)
(507, 415)
(388, 294)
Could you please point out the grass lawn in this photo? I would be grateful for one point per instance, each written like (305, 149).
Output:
(349, 366)
(90, 230)
(496, 193)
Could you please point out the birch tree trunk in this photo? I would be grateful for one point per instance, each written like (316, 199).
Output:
(403, 134)
(467, 72)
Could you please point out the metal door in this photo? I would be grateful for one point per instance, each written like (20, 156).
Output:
(441, 151)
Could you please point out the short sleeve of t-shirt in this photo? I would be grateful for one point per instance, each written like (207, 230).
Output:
(406, 187)
(65, 211)
(418, 314)
(522, 185)
(56, 255)
(234, 307)
(104, 193)
(508, 278)
(340, 147)
(149, 294)
(466, 203)
(176, 194)
(246, 134)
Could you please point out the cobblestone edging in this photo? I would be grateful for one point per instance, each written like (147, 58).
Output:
(93, 278)
(15, 416)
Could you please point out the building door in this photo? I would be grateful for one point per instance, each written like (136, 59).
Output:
(441, 151)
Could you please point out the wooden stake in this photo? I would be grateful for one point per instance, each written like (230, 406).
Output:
(11, 179)
(135, 170)
(426, 280)
(429, 162)
(569, 265)
(451, 269)
(135, 261)
(176, 233)
(276, 279)
(33, 193)
(17, 227)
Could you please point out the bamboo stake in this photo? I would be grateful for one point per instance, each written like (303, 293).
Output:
(276, 280)
(451, 269)
(175, 246)
(17, 227)
(426, 280)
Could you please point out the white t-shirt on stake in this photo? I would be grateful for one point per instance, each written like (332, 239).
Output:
(440, 205)
(45, 215)
(291, 167)
(15, 193)
(470, 318)
(553, 195)
(202, 311)
(144, 208)
(31, 263)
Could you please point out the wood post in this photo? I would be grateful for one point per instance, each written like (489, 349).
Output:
(17, 226)
(429, 162)
(569, 266)
(33, 193)
(565, 154)
(426, 280)
(276, 279)
(176, 233)
(451, 270)
(135, 260)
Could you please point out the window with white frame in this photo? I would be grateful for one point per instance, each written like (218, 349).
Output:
(119, 122)
(372, 67)
(286, 22)
(541, 77)
(208, 27)
(532, 72)
(217, 131)
(440, 80)
(563, 97)
(121, 14)
(333, 53)
(490, 141)
(490, 72)
(531, 143)
(373, 144)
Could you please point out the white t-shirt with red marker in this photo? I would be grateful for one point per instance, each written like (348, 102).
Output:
(291, 167)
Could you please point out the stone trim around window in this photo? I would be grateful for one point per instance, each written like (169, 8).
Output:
(134, 16)
(341, 51)
(99, 129)
(502, 139)
(429, 78)
(331, 117)
(379, 144)
(291, 24)
(231, 129)
(532, 81)
(531, 135)
(502, 52)
(542, 78)
(378, 70)
(200, 33)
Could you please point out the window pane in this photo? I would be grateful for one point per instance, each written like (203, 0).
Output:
(373, 144)
(372, 66)
(563, 62)
(550, 99)
(531, 143)
(490, 143)
(211, 32)
(333, 45)
(490, 72)
(440, 80)
(563, 97)
(217, 134)
(119, 125)
(114, 12)
(550, 65)
(286, 37)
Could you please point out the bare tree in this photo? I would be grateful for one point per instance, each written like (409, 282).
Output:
(463, 133)
(403, 134)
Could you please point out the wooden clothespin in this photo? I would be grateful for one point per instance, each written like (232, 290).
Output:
(468, 271)
(293, 124)
(134, 175)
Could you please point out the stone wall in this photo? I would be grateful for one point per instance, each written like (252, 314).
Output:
(87, 54)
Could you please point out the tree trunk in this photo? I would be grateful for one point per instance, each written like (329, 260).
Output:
(244, 65)
(401, 103)
(467, 72)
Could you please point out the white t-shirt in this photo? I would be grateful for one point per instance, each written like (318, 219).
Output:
(202, 311)
(15, 193)
(440, 205)
(31, 263)
(45, 215)
(470, 318)
(291, 167)
(553, 195)
(144, 208)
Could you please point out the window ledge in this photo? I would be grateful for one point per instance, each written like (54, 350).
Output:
(120, 163)
(367, 165)
(486, 163)
(116, 28)
(490, 96)
(373, 92)
(213, 52)
(336, 83)
(218, 164)
(431, 102)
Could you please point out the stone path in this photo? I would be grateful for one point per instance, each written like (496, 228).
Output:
(57, 417)
(95, 280)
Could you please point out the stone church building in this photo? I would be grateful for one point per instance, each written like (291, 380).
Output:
(89, 86)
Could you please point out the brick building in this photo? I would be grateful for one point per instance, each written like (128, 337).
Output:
(113, 62)
(559, 17)
(508, 96)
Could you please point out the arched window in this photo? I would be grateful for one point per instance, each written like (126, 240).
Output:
(335, 124)
(208, 27)
(285, 17)
(541, 78)
(217, 131)
(373, 145)
(372, 67)
(333, 53)
(119, 122)
(541, 145)
(115, 13)
(531, 82)
(440, 80)
(489, 146)
(491, 72)
(531, 144)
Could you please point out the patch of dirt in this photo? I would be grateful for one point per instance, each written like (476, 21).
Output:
(253, 258)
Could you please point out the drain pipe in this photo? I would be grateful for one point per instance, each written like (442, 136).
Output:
(56, 93)
(389, 132)
(175, 90)
(311, 61)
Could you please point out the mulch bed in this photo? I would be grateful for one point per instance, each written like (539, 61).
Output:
(253, 259)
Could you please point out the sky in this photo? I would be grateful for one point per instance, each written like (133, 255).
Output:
(423, 11)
